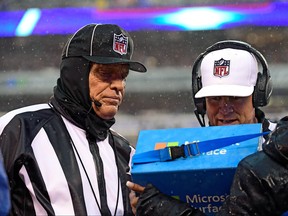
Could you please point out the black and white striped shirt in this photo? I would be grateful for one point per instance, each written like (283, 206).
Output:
(49, 170)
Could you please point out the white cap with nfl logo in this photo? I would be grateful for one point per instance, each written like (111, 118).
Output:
(228, 72)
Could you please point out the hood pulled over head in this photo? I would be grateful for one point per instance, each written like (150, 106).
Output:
(93, 43)
(71, 98)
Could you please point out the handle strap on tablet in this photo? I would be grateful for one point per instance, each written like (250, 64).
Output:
(190, 149)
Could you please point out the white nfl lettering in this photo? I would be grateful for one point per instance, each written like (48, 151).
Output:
(120, 44)
(221, 68)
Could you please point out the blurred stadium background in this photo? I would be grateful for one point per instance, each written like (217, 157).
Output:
(168, 37)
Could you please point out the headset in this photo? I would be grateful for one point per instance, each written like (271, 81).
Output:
(262, 90)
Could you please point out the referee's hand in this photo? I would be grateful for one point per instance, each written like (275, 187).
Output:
(135, 188)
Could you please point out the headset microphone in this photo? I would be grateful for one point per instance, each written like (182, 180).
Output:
(97, 103)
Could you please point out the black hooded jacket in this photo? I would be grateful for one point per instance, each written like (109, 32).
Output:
(52, 171)
(260, 185)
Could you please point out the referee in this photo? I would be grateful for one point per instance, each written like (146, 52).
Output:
(62, 157)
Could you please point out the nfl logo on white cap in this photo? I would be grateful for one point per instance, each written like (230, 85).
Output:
(221, 67)
(228, 72)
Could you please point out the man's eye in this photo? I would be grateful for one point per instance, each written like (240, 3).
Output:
(215, 98)
(104, 76)
(236, 98)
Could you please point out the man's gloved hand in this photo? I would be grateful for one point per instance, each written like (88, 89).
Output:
(152, 202)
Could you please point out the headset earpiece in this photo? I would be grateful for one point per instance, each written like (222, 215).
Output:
(199, 103)
(263, 87)
(262, 90)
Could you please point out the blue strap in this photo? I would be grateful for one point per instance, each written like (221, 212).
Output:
(190, 149)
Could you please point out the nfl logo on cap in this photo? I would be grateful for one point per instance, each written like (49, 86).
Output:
(120, 44)
(221, 68)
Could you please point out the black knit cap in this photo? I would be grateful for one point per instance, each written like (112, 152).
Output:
(103, 44)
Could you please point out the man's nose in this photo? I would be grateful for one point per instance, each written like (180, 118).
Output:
(118, 84)
(226, 106)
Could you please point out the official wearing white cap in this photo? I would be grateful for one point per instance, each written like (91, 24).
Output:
(228, 72)
(230, 81)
